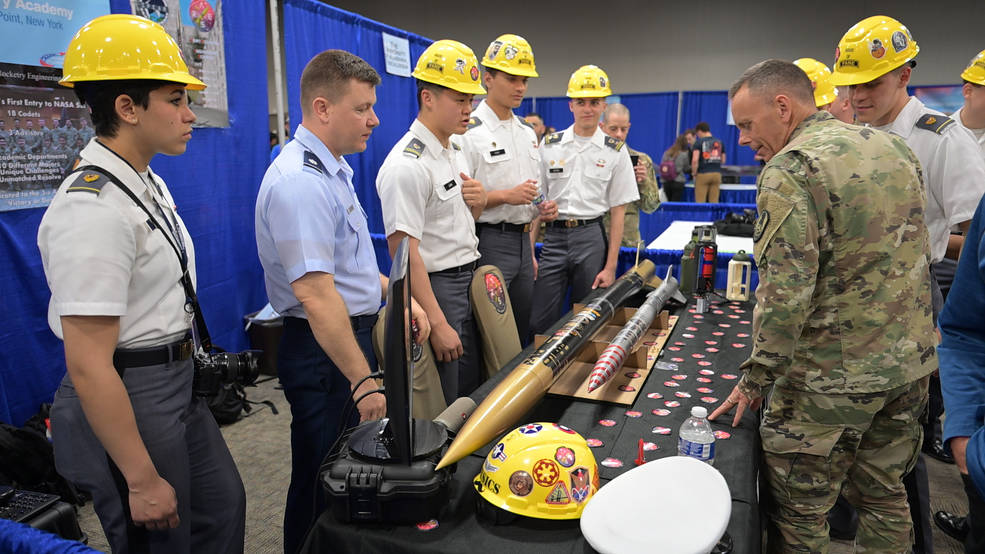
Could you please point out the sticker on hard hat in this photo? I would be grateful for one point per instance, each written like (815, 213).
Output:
(530, 429)
(499, 452)
(474, 73)
(520, 483)
(558, 495)
(565, 456)
(877, 49)
(545, 472)
(580, 486)
(899, 41)
(848, 63)
(484, 481)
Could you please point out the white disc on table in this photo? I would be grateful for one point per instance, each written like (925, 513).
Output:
(673, 505)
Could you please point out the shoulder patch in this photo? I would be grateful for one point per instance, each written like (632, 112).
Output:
(553, 137)
(935, 123)
(455, 145)
(88, 181)
(615, 144)
(414, 148)
(311, 161)
(474, 122)
(524, 122)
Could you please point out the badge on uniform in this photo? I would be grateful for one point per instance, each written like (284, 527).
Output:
(556, 170)
(90, 177)
(499, 152)
(450, 185)
(761, 223)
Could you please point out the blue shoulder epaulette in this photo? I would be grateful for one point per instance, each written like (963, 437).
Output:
(615, 144)
(525, 122)
(553, 137)
(414, 148)
(474, 122)
(935, 123)
(312, 161)
(88, 181)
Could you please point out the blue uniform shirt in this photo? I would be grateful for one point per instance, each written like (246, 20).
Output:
(308, 218)
(962, 351)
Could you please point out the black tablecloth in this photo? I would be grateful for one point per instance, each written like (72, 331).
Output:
(717, 341)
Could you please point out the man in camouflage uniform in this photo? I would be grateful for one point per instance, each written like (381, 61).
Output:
(615, 123)
(843, 316)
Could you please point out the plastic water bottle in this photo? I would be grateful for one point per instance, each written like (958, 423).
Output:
(539, 198)
(696, 438)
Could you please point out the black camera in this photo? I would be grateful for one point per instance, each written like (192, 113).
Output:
(219, 368)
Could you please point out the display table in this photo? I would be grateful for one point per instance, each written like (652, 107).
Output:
(717, 342)
(732, 194)
(679, 234)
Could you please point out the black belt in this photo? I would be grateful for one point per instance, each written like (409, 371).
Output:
(512, 227)
(570, 223)
(464, 268)
(155, 355)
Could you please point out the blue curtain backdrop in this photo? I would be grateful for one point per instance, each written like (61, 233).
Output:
(214, 184)
(311, 27)
(712, 106)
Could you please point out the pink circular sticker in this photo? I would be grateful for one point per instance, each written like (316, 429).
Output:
(632, 375)
(593, 443)
(745, 322)
(687, 335)
(671, 384)
(697, 355)
(660, 412)
(680, 343)
(742, 335)
(671, 403)
(733, 316)
(627, 388)
(612, 462)
(711, 342)
(682, 394)
(678, 360)
(648, 343)
(729, 376)
(649, 446)
(706, 372)
(704, 363)
(723, 435)
(698, 316)
(738, 345)
(711, 349)
(718, 333)
(703, 380)
(724, 325)
(634, 413)
(674, 348)
(679, 377)
(717, 312)
(709, 399)
(607, 422)
(661, 430)
(704, 390)
(655, 395)
(691, 328)
(738, 311)
(428, 525)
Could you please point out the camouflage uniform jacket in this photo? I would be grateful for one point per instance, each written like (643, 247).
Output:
(649, 201)
(843, 303)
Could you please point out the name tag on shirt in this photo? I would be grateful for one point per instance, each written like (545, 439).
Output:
(499, 152)
(556, 170)
(450, 185)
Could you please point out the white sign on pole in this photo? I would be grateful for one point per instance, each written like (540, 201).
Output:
(396, 52)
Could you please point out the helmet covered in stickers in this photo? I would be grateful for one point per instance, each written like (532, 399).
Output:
(451, 64)
(512, 54)
(589, 81)
(870, 49)
(540, 470)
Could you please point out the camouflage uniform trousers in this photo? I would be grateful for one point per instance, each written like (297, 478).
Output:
(816, 445)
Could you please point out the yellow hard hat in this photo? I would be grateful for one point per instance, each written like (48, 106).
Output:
(589, 81)
(820, 76)
(975, 72)
(873, 47)
(451, 64)
(118, 47)
(511, 54)
(541, 470)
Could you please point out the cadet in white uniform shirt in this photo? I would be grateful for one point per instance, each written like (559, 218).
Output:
(125, 424)
(586, 173)
(502, 148)
(427, 194)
